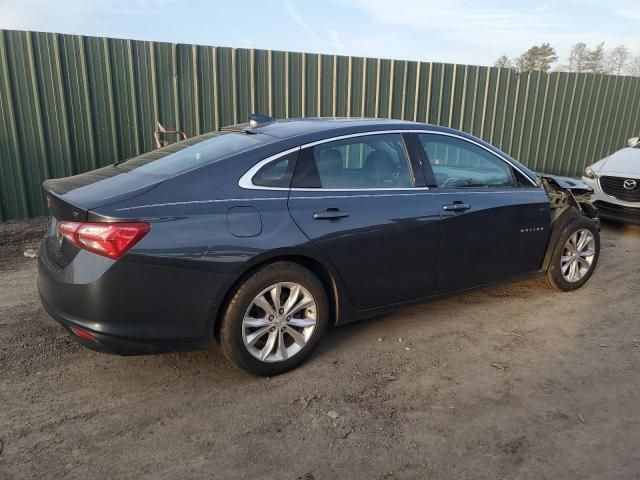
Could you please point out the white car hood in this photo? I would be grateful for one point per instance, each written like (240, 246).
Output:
(625, 161)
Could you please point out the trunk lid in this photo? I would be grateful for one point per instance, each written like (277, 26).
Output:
(73, 198)
(98, 188)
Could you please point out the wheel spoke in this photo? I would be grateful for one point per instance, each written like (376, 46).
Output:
(571, 244)
(282, 348)
(565, 259)
(255, 322)
(255, 336)
(264, 304)
(275, 296)
(584, 262)
(297, 336)
(271, 341)
(587, 253)
(294, 293)
(584, 239)
(574, 271)
(302, 304)
(302, 322)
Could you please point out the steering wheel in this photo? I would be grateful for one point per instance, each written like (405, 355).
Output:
(452, 182)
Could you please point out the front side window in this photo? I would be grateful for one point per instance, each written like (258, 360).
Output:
(366, 162)
(457, 163)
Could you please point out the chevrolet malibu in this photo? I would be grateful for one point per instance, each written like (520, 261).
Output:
(262, 235)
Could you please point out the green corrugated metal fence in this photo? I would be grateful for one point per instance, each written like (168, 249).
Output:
(72, 103)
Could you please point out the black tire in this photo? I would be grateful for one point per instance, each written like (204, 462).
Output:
(231, 330)
(554, 274)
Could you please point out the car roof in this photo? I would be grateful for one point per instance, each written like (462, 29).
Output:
(304, 126)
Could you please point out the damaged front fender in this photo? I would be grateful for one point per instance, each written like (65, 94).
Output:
(565, 193)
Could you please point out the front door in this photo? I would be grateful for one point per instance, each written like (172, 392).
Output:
(356, 199)
(495, 221)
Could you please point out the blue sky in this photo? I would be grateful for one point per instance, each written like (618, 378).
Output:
(459, 31)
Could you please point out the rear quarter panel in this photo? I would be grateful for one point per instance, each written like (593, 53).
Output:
(191, 216)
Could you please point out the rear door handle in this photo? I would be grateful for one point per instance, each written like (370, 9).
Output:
(456, 207)
(330, 214)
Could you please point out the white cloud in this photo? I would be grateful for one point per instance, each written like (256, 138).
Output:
(319, 41)
(629, 14)
(74, 16)
(336, 40)
(469, 32)
(301, 22)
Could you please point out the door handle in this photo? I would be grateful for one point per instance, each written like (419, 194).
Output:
(330, 214)
(456, 207)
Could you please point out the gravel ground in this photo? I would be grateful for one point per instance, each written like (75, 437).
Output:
(517, 381)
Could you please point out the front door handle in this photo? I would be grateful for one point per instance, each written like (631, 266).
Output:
(456, 207)
(330, 214)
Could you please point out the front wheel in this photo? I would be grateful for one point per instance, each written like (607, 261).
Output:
(274, 319)
(575, 255)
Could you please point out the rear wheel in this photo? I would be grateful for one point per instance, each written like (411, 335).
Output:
(274, 319)
(575, 255)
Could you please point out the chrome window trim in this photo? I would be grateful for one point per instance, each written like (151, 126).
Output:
(407, 194)
(201, 202)
(391, 189)
(246, 181)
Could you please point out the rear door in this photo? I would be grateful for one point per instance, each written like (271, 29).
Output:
(495, 221)
(355, 198)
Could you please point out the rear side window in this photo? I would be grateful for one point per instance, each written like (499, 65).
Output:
(276, 174)
(457, 163)
(366, 162)
(193, 152)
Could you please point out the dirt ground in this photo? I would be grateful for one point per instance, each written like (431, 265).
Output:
(518, 381)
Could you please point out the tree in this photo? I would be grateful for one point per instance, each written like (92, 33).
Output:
(633, 67)
(617, 58)
(503, 62)
(596, 61)
(578, 57)
(536, 58)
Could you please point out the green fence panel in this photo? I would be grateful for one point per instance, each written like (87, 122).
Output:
(72, 103)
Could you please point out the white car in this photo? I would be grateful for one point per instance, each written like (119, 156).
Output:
(616, 184)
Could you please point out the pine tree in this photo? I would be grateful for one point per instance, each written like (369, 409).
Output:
(596, 60)
(537, 58)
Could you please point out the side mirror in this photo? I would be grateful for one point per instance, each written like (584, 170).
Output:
(633, 141)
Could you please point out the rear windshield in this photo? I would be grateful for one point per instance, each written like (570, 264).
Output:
(193, 152)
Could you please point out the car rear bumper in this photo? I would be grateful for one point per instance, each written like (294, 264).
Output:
(121, 345)
(130, 307)
(619, 213)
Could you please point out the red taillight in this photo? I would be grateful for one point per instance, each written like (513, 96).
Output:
(109, 239)
(82, 333)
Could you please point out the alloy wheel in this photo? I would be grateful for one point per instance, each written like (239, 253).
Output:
(577, 255)
(279, 322)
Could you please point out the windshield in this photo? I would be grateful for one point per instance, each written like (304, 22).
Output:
(193, 152)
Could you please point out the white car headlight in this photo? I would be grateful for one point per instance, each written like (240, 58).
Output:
(589, 173)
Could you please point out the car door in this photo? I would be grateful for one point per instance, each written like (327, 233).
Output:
(354, 198)
(495, 221)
